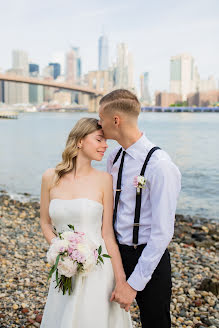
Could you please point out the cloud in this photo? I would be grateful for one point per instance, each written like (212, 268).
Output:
(154, 31)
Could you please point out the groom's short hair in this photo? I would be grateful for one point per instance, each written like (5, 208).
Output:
(121, 100)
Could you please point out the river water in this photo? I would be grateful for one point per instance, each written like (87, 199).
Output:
(35, 141)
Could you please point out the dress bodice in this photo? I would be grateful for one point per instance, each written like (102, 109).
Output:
(89, 304)
(84, 214)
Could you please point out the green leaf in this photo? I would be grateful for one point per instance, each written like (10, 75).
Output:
(57, 277)
(69, 286)
(100, 250)
(100, 258)
(106, 255)
(71, 227)
(51, 271)
(57, 261)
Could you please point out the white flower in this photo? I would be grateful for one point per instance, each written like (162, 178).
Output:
(84, 249)
(141, 180)
(52, 255)
(87, 249)
(90, 263)
(67, 267)
(55, 248)
(67, 235)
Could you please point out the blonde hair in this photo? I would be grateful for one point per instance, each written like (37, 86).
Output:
(81, 129)
(121, 100)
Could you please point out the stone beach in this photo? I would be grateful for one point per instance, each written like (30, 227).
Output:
(24, 269)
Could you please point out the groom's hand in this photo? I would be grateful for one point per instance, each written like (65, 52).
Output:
(123, 294)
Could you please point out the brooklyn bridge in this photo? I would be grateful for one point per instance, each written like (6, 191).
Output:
(94, 94)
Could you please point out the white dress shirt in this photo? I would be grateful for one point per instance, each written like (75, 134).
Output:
(158, 205)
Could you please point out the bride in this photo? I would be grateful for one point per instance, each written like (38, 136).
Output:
(76, 193)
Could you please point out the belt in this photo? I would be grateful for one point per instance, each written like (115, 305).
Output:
(127, 247)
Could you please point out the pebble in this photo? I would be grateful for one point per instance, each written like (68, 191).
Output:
(24, 287)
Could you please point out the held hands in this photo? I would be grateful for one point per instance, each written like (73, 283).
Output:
(123, 294)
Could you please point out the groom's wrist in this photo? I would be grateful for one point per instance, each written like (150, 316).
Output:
(134, 290)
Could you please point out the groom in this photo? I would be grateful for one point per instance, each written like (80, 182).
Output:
(144, 211)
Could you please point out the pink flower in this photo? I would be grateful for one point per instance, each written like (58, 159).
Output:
(76, 256)
(96, 255)
(135, 182)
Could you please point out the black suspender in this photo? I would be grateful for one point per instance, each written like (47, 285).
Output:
(138, 200)
(138, 195)
(117, 156)
(118, 187)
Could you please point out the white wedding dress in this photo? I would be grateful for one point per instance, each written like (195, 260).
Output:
(89, 304)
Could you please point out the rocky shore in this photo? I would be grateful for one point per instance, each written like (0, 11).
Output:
(24, 269)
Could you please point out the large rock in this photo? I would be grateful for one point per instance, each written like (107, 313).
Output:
(210, 286)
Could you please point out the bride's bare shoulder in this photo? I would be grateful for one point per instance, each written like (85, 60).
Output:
(49, 175)
(104, 177)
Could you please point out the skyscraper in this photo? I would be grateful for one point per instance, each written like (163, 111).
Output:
(73, 66)
(56, 69)
(124, 67)
(59, 57)
(17, 93)
(20, 61)
(2, 91)
(35, 91)
(34, 68)
(182, 75)
(103, 53)
(145, 95)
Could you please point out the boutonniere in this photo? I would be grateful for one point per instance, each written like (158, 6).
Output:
(139, 182)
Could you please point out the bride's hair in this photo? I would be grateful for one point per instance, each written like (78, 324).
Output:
(81, 129)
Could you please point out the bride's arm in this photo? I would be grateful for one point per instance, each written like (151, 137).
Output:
(108, 232)
(45, 220)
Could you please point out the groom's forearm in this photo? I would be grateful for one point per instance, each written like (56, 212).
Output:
(146, 265)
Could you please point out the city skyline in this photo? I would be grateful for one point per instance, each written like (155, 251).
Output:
(153, 33)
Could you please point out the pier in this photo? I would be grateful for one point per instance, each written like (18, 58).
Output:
(8, 115)
(180, 109)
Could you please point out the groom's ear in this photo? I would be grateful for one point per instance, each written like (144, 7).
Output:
(116, 120)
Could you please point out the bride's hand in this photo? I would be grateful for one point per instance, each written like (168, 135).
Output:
(123, 294)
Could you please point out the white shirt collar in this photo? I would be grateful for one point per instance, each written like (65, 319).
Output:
(140, 145)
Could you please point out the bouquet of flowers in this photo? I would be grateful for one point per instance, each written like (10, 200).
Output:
(72, 253)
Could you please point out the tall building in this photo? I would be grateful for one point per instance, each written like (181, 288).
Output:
(2, 91)
(34, 68)
(35, 91)
(73, 66)
(124, 67)
(207, 85)
(165, 99)
(56, 69)
(59, 57)
(207, 98)
(20, 61)
(183, 76)
(103, 53)
(145, 94)
(100, 80)
(48, 72)
(17, 93)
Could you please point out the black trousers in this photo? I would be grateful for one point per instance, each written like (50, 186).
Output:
(154, 299)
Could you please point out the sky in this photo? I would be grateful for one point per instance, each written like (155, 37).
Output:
(154, 31)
